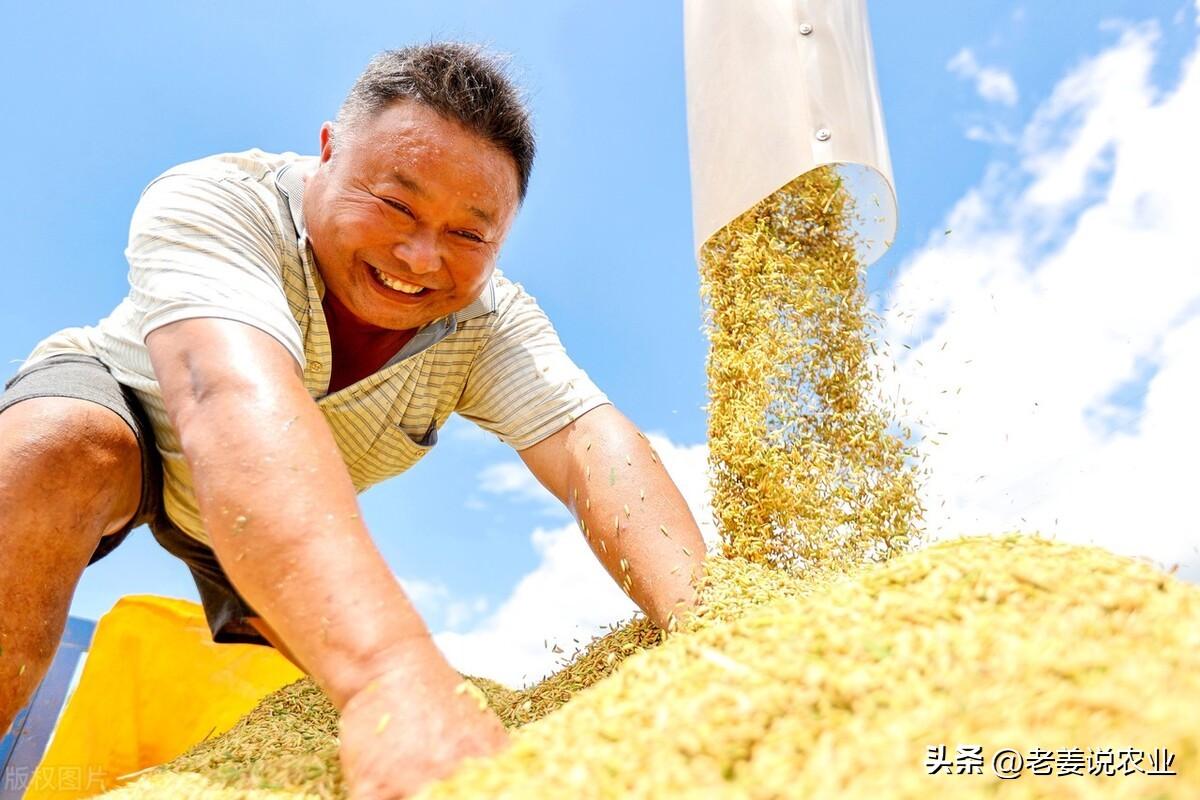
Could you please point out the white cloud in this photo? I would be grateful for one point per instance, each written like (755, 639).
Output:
(995, 133)
(434, 601)
(1102, 104)
(459, 612)
(1056, 332)
(568, 596)
(513, 479)
(993, 85)
(426, 595)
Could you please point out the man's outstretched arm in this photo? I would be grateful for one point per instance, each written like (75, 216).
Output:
(632, 514)
(281, 512)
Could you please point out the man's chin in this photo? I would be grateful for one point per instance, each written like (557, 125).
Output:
(374, 314)
(393, 322)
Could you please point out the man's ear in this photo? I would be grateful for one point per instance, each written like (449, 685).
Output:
(326, 142)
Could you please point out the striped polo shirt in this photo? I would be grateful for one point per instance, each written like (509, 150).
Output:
(224, 237)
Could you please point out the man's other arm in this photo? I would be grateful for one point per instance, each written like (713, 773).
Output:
(636, 521)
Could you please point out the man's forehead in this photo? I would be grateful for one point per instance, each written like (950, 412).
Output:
(414, 186)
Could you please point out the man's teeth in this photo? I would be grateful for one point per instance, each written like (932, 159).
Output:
(392, 283)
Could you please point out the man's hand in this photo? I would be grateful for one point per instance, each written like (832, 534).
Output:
(632, 514)
(406, 728)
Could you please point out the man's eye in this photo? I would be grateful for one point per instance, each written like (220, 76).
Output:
(397, 205)
(470, 237)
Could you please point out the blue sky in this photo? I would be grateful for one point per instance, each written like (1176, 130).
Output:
(101, 98)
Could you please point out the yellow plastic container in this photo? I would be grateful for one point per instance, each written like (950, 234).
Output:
(153, 685)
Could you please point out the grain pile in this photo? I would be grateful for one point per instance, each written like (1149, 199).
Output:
(838, 693)
(838, 690)
(824, 659)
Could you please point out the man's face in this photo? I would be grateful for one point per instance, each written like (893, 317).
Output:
(408, 200)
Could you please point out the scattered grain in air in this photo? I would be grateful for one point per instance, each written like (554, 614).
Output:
(629, 461)
(642, 492)
(803, 399)
(587, 445)
(627, 510)
(686, 552)
(587, 472)
(603, 547)
(587, 503)
(663, 528)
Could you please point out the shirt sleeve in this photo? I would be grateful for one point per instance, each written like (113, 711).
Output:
(522, 386)
(206, 246)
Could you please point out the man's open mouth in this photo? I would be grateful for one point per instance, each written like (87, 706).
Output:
(409, 289)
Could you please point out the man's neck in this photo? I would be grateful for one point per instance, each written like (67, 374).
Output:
(359, 349)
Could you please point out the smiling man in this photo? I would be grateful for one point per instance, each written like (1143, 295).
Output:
(297, 330)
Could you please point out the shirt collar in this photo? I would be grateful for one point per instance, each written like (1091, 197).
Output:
(290, 181)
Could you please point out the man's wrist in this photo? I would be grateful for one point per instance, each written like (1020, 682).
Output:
(414, 658)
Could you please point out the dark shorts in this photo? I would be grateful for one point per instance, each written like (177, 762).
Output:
(83, 377)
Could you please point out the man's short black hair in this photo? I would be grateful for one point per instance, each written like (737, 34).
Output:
(463, 82)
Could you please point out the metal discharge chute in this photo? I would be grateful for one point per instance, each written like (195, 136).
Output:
(776, 88)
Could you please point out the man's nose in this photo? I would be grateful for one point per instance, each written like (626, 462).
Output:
(419, 252)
